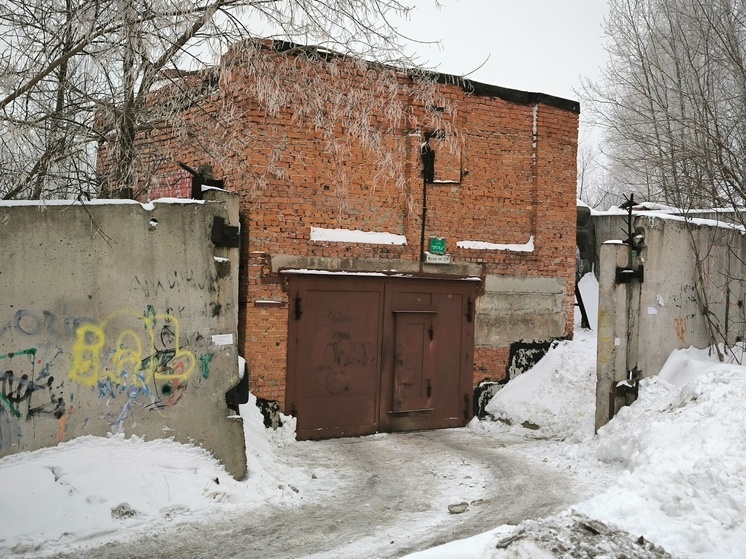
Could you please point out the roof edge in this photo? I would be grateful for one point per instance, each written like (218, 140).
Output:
(469, 86)
(507, 94)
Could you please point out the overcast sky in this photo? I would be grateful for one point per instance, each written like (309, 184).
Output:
(533, 45)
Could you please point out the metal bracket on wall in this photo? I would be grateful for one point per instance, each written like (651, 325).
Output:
(224, 235)
(627, 275)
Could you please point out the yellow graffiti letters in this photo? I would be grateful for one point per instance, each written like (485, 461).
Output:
(130, 345)
(89, 341)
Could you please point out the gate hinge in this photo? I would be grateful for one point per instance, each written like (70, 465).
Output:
(467, 400)
(298, 312)
(627, 275)
(222, 234)
(469, 310)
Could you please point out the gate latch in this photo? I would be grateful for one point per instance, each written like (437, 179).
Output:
(222, 234)
(627, 275)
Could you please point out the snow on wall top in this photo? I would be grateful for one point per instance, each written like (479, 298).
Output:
(482, 245)
(101, 202)
(349, 236)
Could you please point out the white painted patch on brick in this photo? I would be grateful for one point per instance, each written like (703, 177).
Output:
(483, 245)
(349, 236)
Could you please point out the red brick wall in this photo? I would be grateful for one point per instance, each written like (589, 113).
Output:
(519, 164)
(490, 364)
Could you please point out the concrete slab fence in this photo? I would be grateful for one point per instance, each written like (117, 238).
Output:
(119, 317)
(679, 285)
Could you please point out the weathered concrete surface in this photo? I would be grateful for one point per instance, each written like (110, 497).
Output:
(612, 224)
(672, 307)
(611, 363)
(115, 317)
(692, 295)
(519, 308)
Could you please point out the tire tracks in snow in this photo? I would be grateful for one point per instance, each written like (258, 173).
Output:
(371, 497)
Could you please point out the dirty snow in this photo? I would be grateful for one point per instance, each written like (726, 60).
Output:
(669, 472)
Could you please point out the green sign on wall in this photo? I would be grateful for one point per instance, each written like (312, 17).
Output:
(437, 245)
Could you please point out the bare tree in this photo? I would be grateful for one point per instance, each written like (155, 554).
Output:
(74, 75)
(673, 105)
(43, 145)
(673, 100)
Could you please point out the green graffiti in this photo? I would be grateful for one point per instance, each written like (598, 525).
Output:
(31, 351)
(14, 411)
(204, 364)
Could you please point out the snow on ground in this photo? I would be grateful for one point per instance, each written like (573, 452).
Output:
(681, 451)
(95, 488)
(682, 447)
(557, 397)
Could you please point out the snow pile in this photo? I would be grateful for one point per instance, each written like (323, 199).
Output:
(684, 446)
(557, 396)
(99, 488)
(566, 535)
(92, 485)
(264, 468)
(588, 286)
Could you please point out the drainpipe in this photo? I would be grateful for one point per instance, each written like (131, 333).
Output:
(428, 171)
(424, 218)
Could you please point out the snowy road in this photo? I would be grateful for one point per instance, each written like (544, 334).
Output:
(379, 496)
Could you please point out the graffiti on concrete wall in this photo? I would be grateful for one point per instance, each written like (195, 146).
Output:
(38, 393)
(27, 390)
(27, 323)
(139, 357)
(179, 281)
(140, 360)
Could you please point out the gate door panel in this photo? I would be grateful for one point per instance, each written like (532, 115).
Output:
(427, 376)
(336, 346)
(413, 362)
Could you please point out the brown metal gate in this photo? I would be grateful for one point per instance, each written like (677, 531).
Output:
(379, 354)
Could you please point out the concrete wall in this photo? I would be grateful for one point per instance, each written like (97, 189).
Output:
(672, 312)
(118, 318)
(641, 323)
(516, 309)
(612, 224)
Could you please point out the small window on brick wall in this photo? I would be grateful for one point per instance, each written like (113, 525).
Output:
(441, 158)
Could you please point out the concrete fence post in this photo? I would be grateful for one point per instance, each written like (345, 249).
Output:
(611, 365)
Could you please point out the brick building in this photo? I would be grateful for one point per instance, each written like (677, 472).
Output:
(351, 316)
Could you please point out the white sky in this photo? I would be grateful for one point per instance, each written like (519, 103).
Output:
(536, 45)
